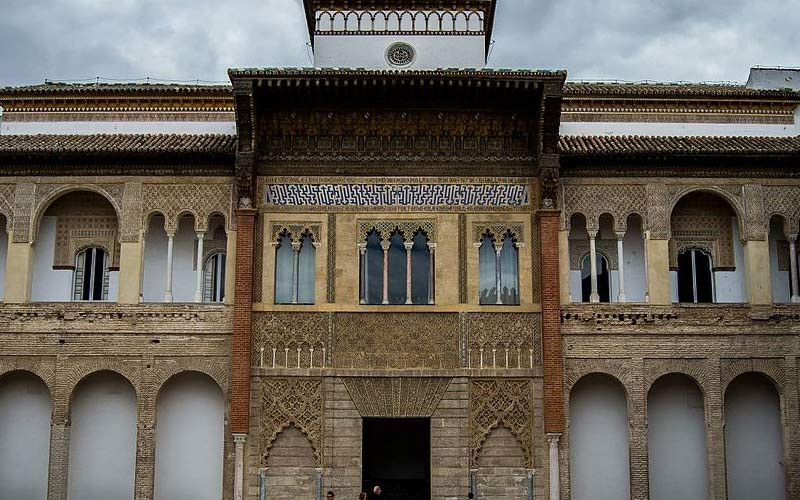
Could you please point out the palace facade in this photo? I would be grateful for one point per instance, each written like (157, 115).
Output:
(381, 271)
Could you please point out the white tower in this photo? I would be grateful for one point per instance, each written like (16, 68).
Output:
(400, 34)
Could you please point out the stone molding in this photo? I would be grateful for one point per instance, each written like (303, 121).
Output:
(396, 397)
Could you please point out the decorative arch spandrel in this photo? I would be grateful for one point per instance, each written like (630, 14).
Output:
(495, 402)
(200, 200)
(591, 201)
(287, 402)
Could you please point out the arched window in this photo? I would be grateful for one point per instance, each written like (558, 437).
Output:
(695, 277)
(214, 278)
(409, 268)
(91, 275)
(498, 274)
(295, 262)
(603, 279)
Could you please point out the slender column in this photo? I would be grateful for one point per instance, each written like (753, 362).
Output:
(198, 290)
(793, 266)
(295, 270)
(385, 246)
(646, 269)
(408, 246)
(238, 470)
(170, 242)
(498, 247)
(555, 474)
(362, 252)
(141, 269)
(594, 297)
(432, 274)
(621, 268)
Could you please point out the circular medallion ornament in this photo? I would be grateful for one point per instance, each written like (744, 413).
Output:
(400, 54)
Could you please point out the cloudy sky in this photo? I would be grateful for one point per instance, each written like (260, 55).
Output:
(665, 40)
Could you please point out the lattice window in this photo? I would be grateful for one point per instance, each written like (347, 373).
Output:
(214, 278)
(91, 276)
(498, 263)
(397, 268)
(295, 267)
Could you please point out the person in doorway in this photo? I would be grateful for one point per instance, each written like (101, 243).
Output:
(363, 496)
(330, 495)
(376, 492)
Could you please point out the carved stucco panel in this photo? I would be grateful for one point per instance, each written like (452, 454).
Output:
(396, 397)
(621, 201)
(500, 338)
(406, 227)
(658, 211)
(292, 331)
(295, 230)
(495, 402)
(783, 201)
(497, 230)
(198, 200)
(286, 402)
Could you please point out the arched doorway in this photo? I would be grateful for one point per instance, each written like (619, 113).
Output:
(676, 440)
(102, 448)
(24, 436)
(754, 439)
(598, 439)
(189, 439)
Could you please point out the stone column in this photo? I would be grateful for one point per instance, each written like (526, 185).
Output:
(385, 247)
(408, 246)
(362, 252)
(793, 267)
(658, 282)
(498, 247)
(555, 469)
(432, 274)
(170, 245)
(198, 290)
(594, 296)
(621, 268)
(756, 261)
(19, 264)
(646, 270)
(295, 269)
(238, 466)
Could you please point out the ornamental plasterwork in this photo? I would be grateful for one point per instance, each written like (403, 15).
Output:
(704, 224)
(7, 203)
(783, 201)
(83, 222)
(199, 200)
(397, 195)
(497, 230)
(407, 228)
(504, 340)
(396, 397)
(579, 249)
(280, 335)
(295, 231)
(592, 201)
(290, 402)
(498, 402)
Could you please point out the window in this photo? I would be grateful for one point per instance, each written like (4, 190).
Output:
(695, 277)
(90, 281)
(603, 281)
(498, 275)
(214, 278)
(295, 261)
(409, 268)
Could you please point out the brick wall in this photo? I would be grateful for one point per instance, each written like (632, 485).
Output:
(551, 323)
(242, 322)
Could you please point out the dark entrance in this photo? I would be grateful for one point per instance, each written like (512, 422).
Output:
(397, 457)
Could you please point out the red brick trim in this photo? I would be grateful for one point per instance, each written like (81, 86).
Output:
(242, 322)
(551, 323)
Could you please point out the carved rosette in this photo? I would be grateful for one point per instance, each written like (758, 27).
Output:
(397, 397)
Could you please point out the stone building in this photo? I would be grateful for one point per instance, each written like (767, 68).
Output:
(439, 281)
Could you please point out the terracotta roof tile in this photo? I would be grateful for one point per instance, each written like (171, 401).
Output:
(117, 143)
(641, 145)
(116, 88)
(662, 90)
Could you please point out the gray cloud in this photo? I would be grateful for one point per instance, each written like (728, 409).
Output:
(716, 40)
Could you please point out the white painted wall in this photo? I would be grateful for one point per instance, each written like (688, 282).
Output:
(189, 439)
(676, 440)
(678, 129)
(753, 440)
(55, 285)
(781, 293)
(155, 262)
(102, 450)
(633, 253)
(24, 437)
(369, 51)
(107, 127)
(598, 434)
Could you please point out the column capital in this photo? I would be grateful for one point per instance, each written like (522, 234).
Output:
(792, 237)
(593, 234)
(200, 234)
(385, 244)
(239, 438)
(553, 438)
(620, 235)
(408, 245)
